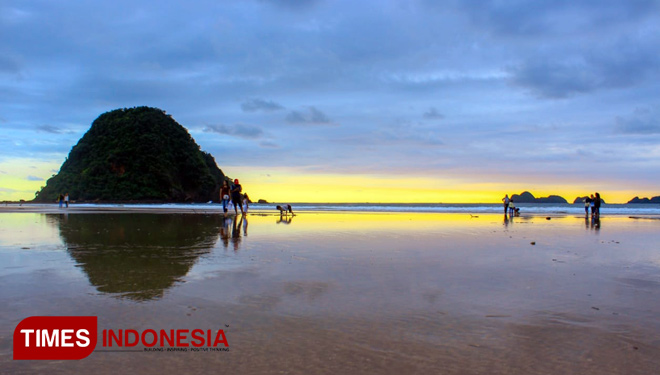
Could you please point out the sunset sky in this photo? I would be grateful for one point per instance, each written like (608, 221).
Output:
(354, 101)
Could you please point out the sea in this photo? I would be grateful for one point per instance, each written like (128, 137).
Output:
(468, 208)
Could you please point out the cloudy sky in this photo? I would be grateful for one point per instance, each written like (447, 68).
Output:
(316, 100)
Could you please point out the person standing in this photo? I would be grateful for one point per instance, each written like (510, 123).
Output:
(592, 203)
(506, 202)
(60, 199)
(246, 202)
(512, 208)
(587, 204)
(236, 196)
(597, 202)
(66, 200)
(224, 195)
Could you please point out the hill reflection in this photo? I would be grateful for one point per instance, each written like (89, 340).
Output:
(137, 256)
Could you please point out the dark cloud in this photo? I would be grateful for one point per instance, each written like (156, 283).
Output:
(643, 121)
(34, 178)
(256, 104)
(561, 77)
(238, 130)
(310, 116)
(433, 114)
(559, 17)
(554, 79)
(52, 129)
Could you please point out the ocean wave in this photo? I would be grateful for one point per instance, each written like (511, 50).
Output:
(530, 208)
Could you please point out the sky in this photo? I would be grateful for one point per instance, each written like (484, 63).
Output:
(353, 101)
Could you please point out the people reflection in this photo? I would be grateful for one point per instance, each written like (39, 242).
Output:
(284, 219)
(236, 233)
(225, 231)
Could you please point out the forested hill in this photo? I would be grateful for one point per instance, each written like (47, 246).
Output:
(136, 154)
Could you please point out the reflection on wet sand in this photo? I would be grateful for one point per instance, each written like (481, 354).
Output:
(283, 219)
(354, 293)
(230, 231)
(137, 256)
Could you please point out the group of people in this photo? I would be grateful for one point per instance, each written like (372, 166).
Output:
(592, 203)
(63, 199)
(233, 196)
(510, 206)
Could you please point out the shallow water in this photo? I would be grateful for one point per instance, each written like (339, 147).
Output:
(350, 292)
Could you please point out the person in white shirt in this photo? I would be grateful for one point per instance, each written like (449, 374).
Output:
(506, 202)
(246, 201)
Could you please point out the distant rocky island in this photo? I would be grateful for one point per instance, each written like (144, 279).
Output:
(636, 200)
(136, 154)
(527, 197)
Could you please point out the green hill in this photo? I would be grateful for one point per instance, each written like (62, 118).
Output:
(135, 154)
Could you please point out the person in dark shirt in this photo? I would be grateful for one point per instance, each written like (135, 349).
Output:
(236, 196)
(224, 195)
(597, 202)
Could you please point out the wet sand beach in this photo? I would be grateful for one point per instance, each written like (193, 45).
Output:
(368, 293)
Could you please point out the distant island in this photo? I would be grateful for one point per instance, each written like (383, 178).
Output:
(527, 197)
(637, 200)
(136, 154)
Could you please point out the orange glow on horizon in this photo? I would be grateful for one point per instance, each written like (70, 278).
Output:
(296, 187)
(19, 180)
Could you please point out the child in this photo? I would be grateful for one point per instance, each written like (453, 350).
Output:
(285, 209)
(246, 201)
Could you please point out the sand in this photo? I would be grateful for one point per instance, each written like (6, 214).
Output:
(344, 292)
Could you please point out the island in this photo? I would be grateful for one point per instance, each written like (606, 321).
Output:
(138, 154)
(638, 200)
(527, 197)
